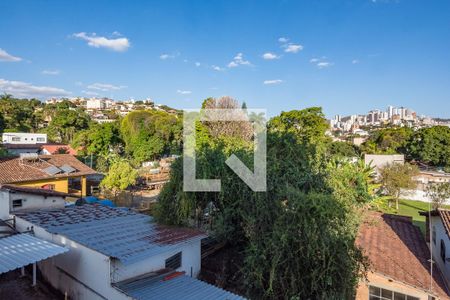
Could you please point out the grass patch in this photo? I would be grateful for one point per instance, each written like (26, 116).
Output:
(405, 208)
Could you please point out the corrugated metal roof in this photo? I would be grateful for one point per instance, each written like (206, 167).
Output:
(23, 249)
(118, 233)
(179, 287)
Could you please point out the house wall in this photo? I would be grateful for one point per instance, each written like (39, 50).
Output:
(379, 161)
(23, 138)
(190, 262)
(378, 280)
(31, 201)
(82, 273)
(436, 248)
(61, 184)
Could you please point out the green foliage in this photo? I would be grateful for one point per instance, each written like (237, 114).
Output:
(20, 114)
(309, 251)
(343, 149)
(388, 141)
(65, 123)
(439, 192)
(432, 146)
(149, 134)
(98, 139)
(395, 177)
(120, 176)
(309, 211)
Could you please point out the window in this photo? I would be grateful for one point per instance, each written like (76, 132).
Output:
(376, 293)
(174, 262)
(15, 139)
(434, 235)
(443, 250)
(40, 139)
(17, 203)
(48, 187)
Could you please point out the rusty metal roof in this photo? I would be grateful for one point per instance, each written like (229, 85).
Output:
(173, 287)
(115, 232)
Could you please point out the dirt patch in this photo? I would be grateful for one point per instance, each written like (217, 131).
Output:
(223, 269)
(15, 287)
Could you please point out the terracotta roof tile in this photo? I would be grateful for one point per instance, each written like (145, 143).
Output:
(13, 169)
(397, 249)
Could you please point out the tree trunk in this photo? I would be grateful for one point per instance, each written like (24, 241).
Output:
(396, 203)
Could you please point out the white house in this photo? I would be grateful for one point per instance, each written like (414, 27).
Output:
(15, 198)
(24, 138)
(115, 253)
(440, 239)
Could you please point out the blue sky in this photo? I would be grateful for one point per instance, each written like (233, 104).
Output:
(346, 56)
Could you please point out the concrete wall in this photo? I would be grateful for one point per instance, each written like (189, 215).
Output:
(29, 202)
(378, 280)
(379, 161)
(190, 261)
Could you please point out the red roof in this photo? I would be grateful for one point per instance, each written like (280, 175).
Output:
(14, 169)
(397, 249)
(54, 148)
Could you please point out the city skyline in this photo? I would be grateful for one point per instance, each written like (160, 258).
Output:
(347, 57)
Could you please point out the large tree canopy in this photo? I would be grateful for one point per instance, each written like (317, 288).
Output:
(148, 134)
(306, 219)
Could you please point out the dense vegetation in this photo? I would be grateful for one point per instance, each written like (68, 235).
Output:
(140, 136)
(430, 145)
(298, 238)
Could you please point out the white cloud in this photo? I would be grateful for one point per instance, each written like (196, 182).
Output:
(321, 63)
(184, 92)
(273, 81)
(116, 44)
(270, 56)
(105, 87)
(324, 64)
(50, 72)
(197, 64)
(90, 93)
(165, 56)
(238, 60)
(283, 40)
(293, 48)
(355, 61)
(217, 68)
(5, 56)
(27, 90)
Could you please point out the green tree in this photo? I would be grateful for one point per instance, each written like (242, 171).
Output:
(343, 149)
(388, 141)
(150, 134)
(431, 145)
(65, 123)
(120, 176)
(308, 197)
(395, 177)
(99, 139)
(438, 192)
